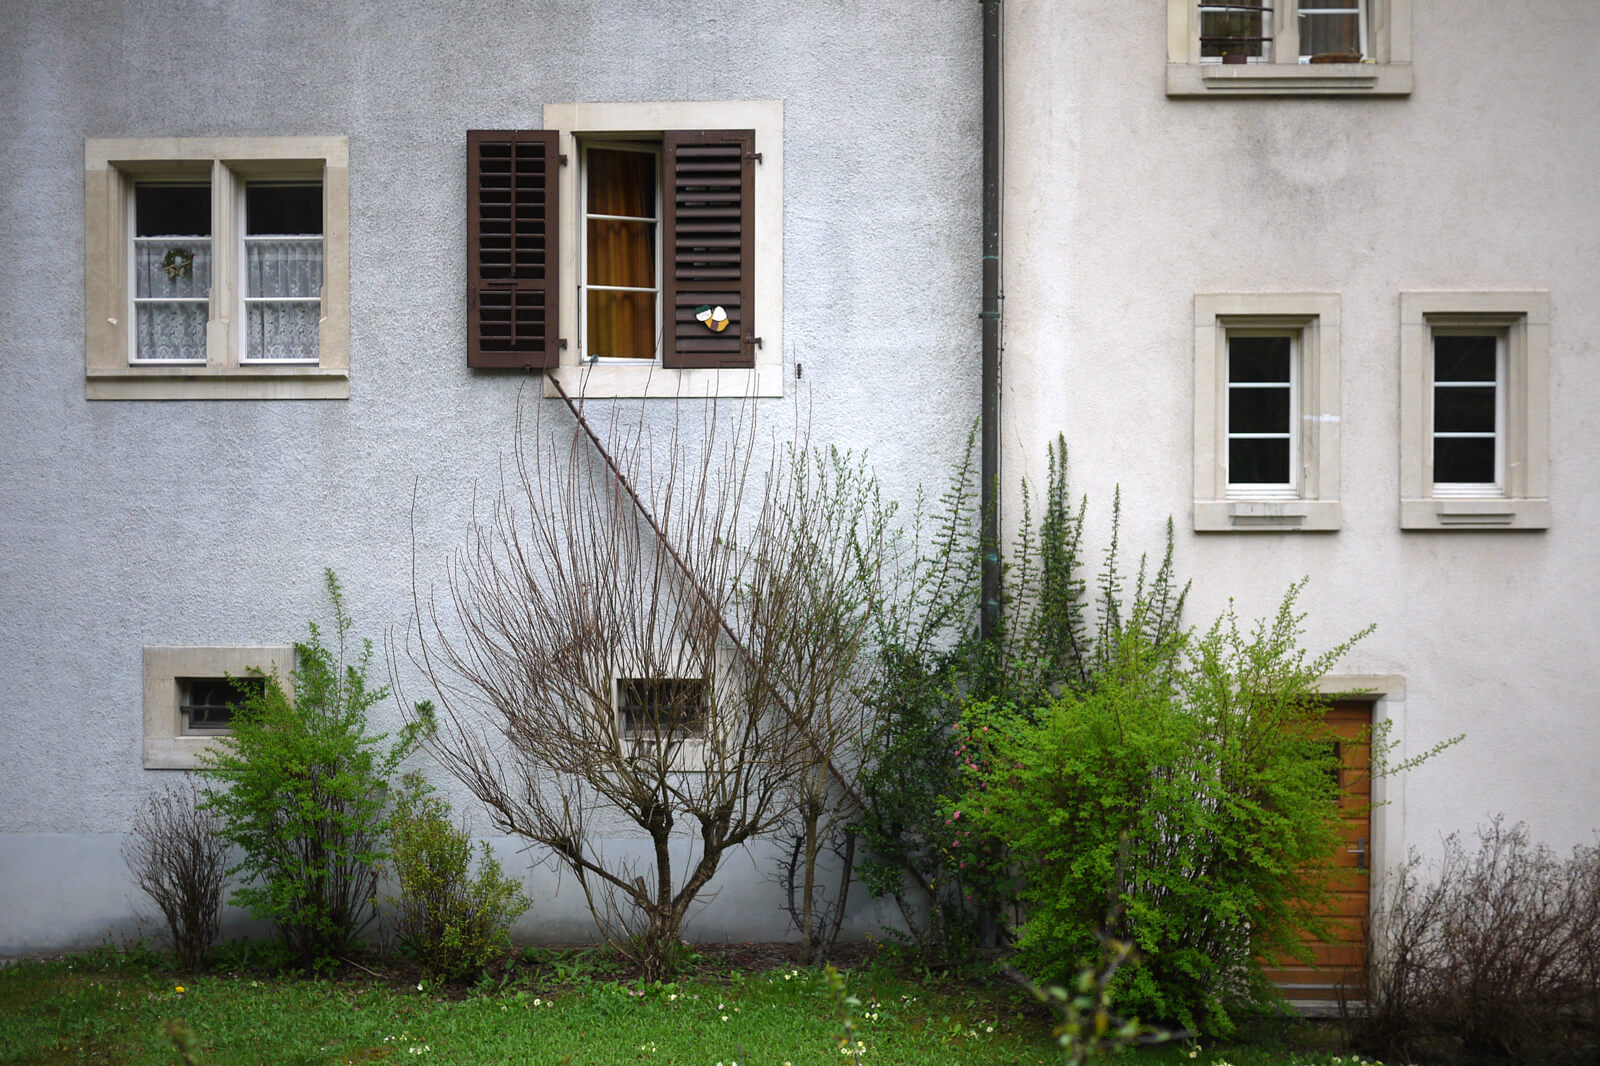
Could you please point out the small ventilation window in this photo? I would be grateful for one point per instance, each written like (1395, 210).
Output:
(665, 707)
(206, 704)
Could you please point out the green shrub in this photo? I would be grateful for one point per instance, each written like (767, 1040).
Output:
(302, 790)
(1193, 793)
(453, 924)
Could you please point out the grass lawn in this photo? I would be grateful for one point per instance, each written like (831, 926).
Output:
(107, 1008)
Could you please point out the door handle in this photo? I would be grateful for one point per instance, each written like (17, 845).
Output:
(1361, 853)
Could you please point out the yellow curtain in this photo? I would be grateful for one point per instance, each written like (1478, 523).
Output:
(622, 252)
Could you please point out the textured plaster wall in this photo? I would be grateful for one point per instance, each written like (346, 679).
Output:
(1122, 204)
(132, 523)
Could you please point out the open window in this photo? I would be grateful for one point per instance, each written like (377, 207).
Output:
(631, 249)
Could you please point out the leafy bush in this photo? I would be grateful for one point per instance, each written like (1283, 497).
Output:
(302, 790)
(452, 923)
(1495, 954)
(1190, 790)
(178, 860)
(953, 883)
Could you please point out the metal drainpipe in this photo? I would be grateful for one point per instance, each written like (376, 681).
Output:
(989, 496)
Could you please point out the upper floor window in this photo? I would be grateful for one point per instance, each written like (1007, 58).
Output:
(1266, 412)
(1475, 410)
(217, 268)
(1288, 47)
(1244, 31)
(631, 249)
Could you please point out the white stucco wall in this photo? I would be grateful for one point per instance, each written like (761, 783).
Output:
(127, 524)
(1123, 203)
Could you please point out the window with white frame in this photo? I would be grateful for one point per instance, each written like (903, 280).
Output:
(1288, 47)
(217, 268)
(1475, 410)
(1263, 387)
(1266, 418)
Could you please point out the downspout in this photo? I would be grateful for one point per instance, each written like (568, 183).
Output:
(989, 420)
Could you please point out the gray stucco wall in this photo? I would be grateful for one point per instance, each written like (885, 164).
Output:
(127, 524)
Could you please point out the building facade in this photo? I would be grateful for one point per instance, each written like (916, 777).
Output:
(1315, 283)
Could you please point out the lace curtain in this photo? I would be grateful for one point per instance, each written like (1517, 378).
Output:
(171, 302)
(283, 286)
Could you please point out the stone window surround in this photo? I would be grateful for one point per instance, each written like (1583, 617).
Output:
(1523, 318)
(166, 747)
(1389, 73)
(615, 380)
(111, 165)
(1315, 316)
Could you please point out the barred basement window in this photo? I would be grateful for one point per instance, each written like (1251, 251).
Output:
(671, 708)
(206, 704)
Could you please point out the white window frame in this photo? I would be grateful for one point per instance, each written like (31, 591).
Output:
(1519, 499)
(167, 746)
(591, 123)
(1495, 486)
(1289, 490)
(112, 167)
(242, 265)
(1311, 502)
(585, 146)
(1385, 69)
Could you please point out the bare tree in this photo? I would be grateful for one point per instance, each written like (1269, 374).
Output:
(636, 639)
(177, 858)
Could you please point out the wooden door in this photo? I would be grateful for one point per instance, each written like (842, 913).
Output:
(1338, 960)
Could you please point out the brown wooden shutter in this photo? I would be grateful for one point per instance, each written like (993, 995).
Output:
(709, 246)
(512, 248)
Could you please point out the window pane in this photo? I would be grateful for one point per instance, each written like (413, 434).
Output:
(282, 209)
(1258, 359)
(622, 324)
(1233, 29)
(1464, 358)
(622, 183)
(1463, 460)
(1258, 410)
(663, 705)
(208, 703)
(1330, 33)
(283, 330)
(172, 269)
(1463, 409)
(172, 210)
(1258, 462)
(171, 331)
(283, 268)
(622, 253)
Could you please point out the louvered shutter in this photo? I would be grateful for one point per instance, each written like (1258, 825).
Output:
(512, 245)
(709, 246)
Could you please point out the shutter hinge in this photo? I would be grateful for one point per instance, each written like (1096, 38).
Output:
(753, 155)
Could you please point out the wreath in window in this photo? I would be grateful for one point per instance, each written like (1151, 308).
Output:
(178, 263)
